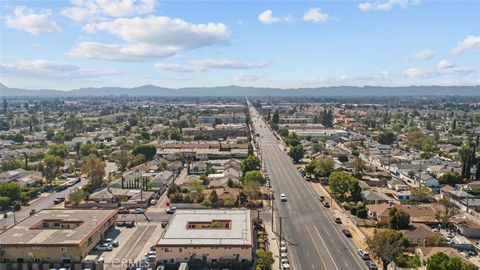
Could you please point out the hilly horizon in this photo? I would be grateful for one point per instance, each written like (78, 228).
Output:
(232, 90)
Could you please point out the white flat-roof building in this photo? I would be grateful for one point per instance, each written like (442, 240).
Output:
(206, 234)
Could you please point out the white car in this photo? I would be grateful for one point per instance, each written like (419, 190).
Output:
(363, 254)
(283, 197)
(285, 266)
(112, 242)
(283, 247)
(104, 247)
(150, 258)
(138, 211)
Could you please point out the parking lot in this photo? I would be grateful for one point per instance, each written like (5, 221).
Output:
(134, 243)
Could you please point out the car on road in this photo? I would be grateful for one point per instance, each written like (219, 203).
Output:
(321, 198)
(61, 187)
(138, 211)
(120, 224)
(164, 224)
(347, 233)
(32, 212)
(371, 265)
(122, 210)
(326, 204)
(59, 200)
(111, 241)
(104, 247)
(171, 210)
(363, 254)
(283, 197)
(338, 220)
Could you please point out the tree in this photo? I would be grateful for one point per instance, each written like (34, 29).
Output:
(387, 245)
(283, 132)
(441, 261)
(344, 185)
(196, 190)
(265, 258)
(253, 176)
(59, 150)
(276, 118)
(447, 211)
(94, 168)
(251, 163)
(51, 167)
(421, 194)
(87, 149)
(123, 158)
(252, 190)
(213, 198)
(10, 190)
(296, 153)
(327, 118)
(292, 140)
(147, 150)
(76, 197)
(399, 220)
(387, 137)
(451, 178)
(323, 166)
(343, 158)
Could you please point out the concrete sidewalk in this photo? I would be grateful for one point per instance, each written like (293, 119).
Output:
(273, 245)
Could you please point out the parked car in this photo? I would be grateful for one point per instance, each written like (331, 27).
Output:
(338, 220)
(32, 212)
(138, 211)
(326, 204)
(58, 200)
(283, 247)
(285, 266)
(122, 210)
(104, 247)
(164, 224)
(120, 223)
(322, 198)
(153, 202)
(347, 232)
(371, 265)
(129, 224)
(363, 254)
(151, 258)
(283, 197)
(112, 242)
(171, 210)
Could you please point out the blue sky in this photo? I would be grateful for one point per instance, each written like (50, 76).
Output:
(95, 43)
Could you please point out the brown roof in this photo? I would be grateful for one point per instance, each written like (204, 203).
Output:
(419, 213)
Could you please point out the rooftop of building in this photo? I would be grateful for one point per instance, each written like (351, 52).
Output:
(65, 227)
(236, 229)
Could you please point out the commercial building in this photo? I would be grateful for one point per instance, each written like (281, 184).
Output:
(55, 235)
(208, 235)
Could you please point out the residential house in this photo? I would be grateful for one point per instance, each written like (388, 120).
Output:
(372, 197)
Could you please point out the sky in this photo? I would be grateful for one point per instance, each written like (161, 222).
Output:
(284, 44)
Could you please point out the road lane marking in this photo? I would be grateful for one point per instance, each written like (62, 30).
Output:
(328, 251)
(318, 250)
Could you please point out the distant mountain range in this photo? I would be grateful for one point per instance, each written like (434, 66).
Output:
(238, 91)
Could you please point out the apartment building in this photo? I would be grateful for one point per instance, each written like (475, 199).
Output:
(206, 234)
(55, 236)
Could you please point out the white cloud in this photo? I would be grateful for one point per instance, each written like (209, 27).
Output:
(201, 65)
(267, 17)
(444, 64)
(470, 43)
(315, 15)
(386, 5)
(424, 54)
(51, 70)
(121, 52)
(28, 20)
(246, 77)
(100, 9)
(417, 72)
(151, 37)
